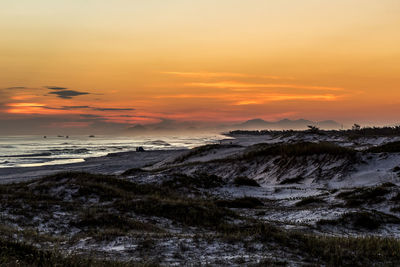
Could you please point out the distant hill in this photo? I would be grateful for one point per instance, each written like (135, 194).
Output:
(170, 126)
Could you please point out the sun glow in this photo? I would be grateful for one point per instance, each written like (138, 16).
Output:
(155, 60)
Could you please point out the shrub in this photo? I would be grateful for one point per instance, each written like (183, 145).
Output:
(133, 172)
(299, 149)
(185, 211)
(199, 180)
(391, 147)
(308, 201)
(244, 181)
(244, 202)
(295, 180)
(19, 254)
(198, 151)
(367, 195)
(364, 220)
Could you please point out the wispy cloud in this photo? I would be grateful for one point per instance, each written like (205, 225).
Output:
(55, 88)
(234, 84)
(39, 108)
(16, 88)
(75, 107)
(26, 108)
(113, 109)
(272, 98)
(221, 75)
(25, 105)
(68, 94)
(253, 99)
(94, 108)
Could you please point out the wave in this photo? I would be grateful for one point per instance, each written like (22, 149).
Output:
(6, 146)
(51, 152)
(69, 151)
(45, 154)
(157, 143)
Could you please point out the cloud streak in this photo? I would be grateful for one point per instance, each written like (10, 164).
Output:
(68, 94)
(16, 88)
(55, 88)
(254, 99)
(234, 84)
(221, 75)
(113, 109)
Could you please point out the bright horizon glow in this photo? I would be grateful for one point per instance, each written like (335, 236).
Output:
(139, 62)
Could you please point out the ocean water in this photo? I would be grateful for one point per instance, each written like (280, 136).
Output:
(30, 151)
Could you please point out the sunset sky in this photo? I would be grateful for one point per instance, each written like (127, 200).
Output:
(77, 62)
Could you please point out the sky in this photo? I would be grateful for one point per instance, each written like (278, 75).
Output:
(85, 63)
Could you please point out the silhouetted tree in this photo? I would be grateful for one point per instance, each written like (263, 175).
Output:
(356, 127)
(312, 129)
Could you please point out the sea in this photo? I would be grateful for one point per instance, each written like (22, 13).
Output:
(31, 151)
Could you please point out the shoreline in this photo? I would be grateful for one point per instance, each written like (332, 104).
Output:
(112, 163)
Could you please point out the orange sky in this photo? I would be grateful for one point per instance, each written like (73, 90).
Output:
(226, 60)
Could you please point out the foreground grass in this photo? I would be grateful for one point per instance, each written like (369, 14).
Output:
(20, 254)
(331, 251)
(118, 204)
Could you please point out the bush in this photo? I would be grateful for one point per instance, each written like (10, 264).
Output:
(392, 147)
(299, 149)
(94, 219)
(200, 180)
(363, 220)
(295, 180)
(185, 211)
(244, 181)
(366, 195)
(308, 201)
(19, 254)
(244, 202)
(198, 151)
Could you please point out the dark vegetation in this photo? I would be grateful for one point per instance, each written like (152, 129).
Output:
(244, 181)
(363, 219)
(396, 169)
(198, 151)
(105, 207)
(185, 211)
(391, 147)
(134, 171)
(198, 180)
(295, 180)
(20, 254)
(324, 250)
(396, 198)
(309, 200)
(244, 202)
(96, 220)
(298, 149)
(113, 193)
(365, 195)
(355, 132)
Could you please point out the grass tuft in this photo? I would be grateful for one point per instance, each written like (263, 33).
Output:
(244, 181)
(244, 202)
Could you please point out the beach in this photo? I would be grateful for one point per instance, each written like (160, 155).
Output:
(234, 201)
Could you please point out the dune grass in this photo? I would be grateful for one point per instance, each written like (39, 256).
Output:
(243, 202)
(120, 202)
(245, 181)
(364, 195)
(298, 149)
(392, 147)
